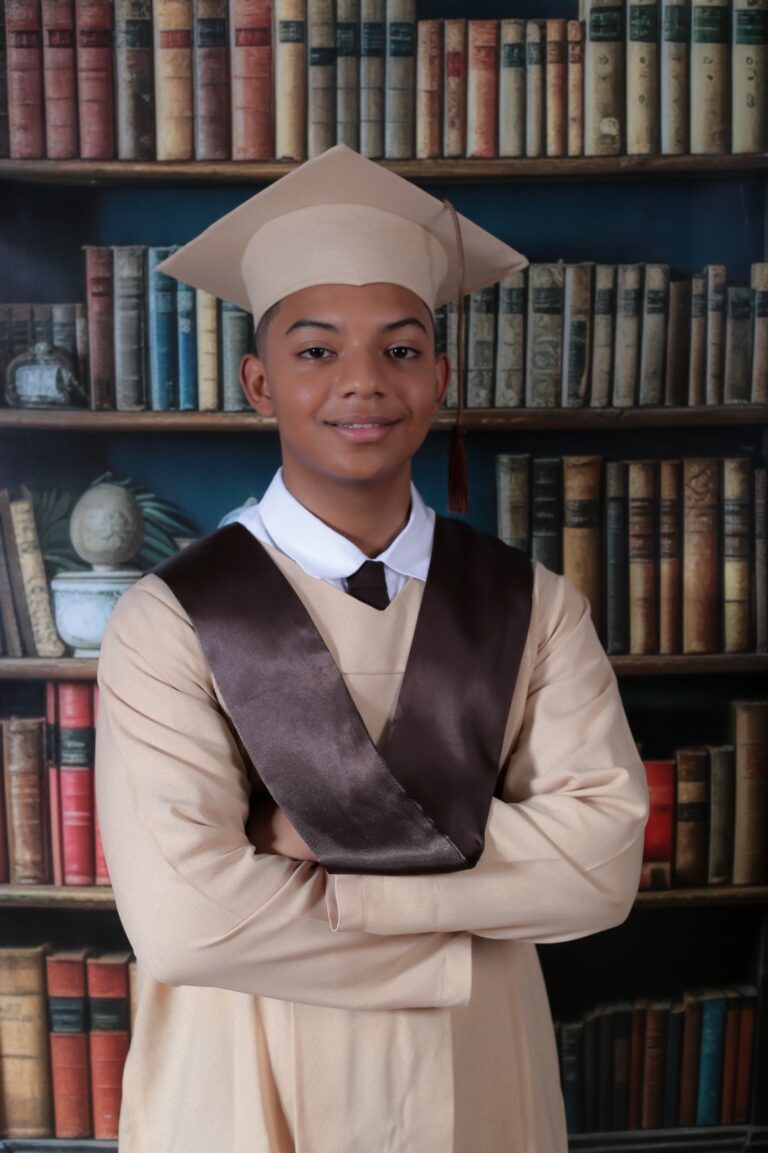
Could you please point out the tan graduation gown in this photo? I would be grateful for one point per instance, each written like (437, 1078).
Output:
(285, 1010)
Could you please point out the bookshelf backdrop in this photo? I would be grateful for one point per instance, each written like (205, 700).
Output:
(624, 149)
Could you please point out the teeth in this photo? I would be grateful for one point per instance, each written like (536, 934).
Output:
(379, 425)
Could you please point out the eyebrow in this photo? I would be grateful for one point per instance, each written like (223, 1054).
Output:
(304, 322)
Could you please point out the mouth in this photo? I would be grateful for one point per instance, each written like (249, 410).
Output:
(363, 431)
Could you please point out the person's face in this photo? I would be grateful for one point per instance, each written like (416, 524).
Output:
(350, 373)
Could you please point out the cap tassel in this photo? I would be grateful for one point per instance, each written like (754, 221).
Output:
(458, 472)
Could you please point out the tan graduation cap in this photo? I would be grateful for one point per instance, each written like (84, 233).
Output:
(340, 218)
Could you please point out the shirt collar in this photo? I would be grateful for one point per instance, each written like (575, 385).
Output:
(325, 553)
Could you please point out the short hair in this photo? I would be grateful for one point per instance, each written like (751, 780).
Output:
(260, 336)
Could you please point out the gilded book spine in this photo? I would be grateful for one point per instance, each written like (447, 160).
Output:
(737, 386)
(211, 79)
(534, 88)
(545, 335)
(348, 73)
(710, 76)
(173, 79)
(429, 95)
(678, 343)
(481, 339)
(291, 79)
(603, 78)
(749, 63)
(455, 87)
(698, 348)
(575, 88)
(134, 80)
(604, 309)
(643, 77)
(321, 108)
(59, 79)
(130, 327)
(737, 559)
(510, 342)
(372, 76)
(577, 316)
(653, 334)
(582, 551)
(482, 88)
(399, 106)
(48, 643)
(616, 557)
(701, 583)
(629, 292)
(670, 557)
(675, 36)
(759, 285)
(554, 83)
(512, 89)
(715, 349)
(207, 324)
(643, 557)
(513, 496)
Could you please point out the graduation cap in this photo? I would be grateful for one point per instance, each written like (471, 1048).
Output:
(340, 218)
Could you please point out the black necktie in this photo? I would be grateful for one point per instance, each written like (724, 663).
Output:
(368, 584)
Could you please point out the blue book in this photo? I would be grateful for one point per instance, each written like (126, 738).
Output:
(161, 293)
(711, 1058)
(187, 346)
(672, 1065)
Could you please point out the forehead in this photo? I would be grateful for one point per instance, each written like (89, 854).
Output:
(378, 302)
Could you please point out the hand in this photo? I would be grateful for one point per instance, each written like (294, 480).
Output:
(269, 831)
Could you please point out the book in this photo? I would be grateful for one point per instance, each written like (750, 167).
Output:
(577, 322)
(400, 79)
(659, 837)
(372, 78)
(701, 577)
(95, 79)
(604, 73)
(482, 88)
(710, 76)
(535, 107)
(68, 1040)
(722, 770)
(59, 79)
(653, 334)
(429, 74)
(670, 556)
(26, 800)
(24, 1055)
(544, 337)
(737, 555)
(348, 73)
(575, 88)
(134, 80)
(692, 815)
(642, 77)
(749, 76)
(321, 83)
(509, 359)
(555, 87)
(642, 487)
(210, 62)
(749, 736)
(512, 80)
(674, 107)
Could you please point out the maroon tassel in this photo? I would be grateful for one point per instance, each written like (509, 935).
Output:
(458, 494)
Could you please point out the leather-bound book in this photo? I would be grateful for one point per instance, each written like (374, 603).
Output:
(554, 87)
(616, 557)
(604, 71)
(701, 555)
(603, 323)
(737, 383)
(99, 289)
(692, 815)
(715, 339)
(54, 791)
(15, 598)
(109, 1038)
(636, 1053)
(659, 837)
(672, 1063)
(481, 343)
(27, 810)
(642, 484)
(749, 736)
(48, 643)
(653, 334)
(737, 554)
(161, 332)
(102, 872)
(96, 79)
(290, 81)
(574, 87)
(654, 1056)
(210, 59)
(134, 80)
(373, 34)
(25, 1068)
(677, 343)
(730, 1056)
(4, 140)
(670, 557)
(749, 77)
(236, 332)
(130, 327)
(512, 88)
(76, 745)
(186, 351)
(535, 99)
(642, 41)
(759, 286)
(544, 338)
(400, 80)
(429, 76)
(747, 1016)
(689, 1060)
(348, 73)
(513, 495)
(674, 79)
(68, 1039)
(321, 91)
(482, 88)
(722, 771)
(698, 349)
(582, 544)
(207, 331)
(710, 76)
(509, 387)
(253, 77)
(713, 1013)
(24, 63)
(59, 79)
(174, 106)
(547, 511)
(626, 361)
(621, 1051)
(577, 334)
(761, 559)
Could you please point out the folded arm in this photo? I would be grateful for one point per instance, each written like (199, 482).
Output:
(563, 849)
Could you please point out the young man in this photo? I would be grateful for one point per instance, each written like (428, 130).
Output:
(354, 760)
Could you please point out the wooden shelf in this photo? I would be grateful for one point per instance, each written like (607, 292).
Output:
(489, 419)
(705, 895)
(437, 171)
(80, 668)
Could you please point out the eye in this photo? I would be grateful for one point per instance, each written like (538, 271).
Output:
(314, 348)
(404, 348)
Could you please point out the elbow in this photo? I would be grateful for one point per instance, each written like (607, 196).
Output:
(614, 886)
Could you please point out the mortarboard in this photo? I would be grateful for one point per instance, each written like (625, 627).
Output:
(341, 218)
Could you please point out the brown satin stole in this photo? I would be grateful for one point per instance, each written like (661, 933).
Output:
(420, 803)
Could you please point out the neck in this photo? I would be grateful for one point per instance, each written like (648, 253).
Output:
(370, 515)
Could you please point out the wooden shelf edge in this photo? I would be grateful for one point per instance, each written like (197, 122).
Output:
(436, 170)
(704, 895)
(487, 419)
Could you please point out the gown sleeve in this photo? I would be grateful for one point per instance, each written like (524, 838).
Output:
(563, 848)
(199, 904)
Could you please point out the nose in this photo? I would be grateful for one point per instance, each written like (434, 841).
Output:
(361, 372)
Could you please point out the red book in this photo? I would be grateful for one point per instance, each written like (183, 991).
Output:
(99, 287)
(744, 1056)
(102, 873)
(59, 79)
(68, 1036)
(24, 63)
(211, 69)
(636, 1059)
(251, 66)
(76, 780)
(660, 830)
(52, 752)
(482, 88)
(654, 1056)
(108, 995)
(95, 79)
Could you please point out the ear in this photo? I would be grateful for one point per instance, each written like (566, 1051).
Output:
(442, 378)
(253, 378)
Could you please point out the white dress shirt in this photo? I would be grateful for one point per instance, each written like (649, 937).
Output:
(283, 522)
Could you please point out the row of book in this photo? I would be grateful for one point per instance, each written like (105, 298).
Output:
(670, 554)
(72, 1013)
(27, 621)
(552, 335)
(220, 79)
(652, 1063)
(709, 808)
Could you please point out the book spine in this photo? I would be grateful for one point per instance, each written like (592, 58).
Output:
(642, 484)
(534, 88)
(715, 338)
(481, 339)
(482, 88)
(722, 769)
(187, 346)
(711, 1062)
(95, 79)
(546, 512)
(575, 88)
(348, 73)
(545, 335)
(571, 1041)
(290, 82)
(48, 643)
(749, 72)
(670, 557)
(577, 316)
(174, 109)
(63, 330)
(582, 551)
(698, 349)
(710, 76)
(134, 80)
(677, 343)
(235, 342)
(554, 83)
(744, 1056)
(701, 499)
(321, 91)
(99, 292)
(749, 736)
(509, 390)
(452, 343)
(512, 88)
(604, 72)
(616, 557)
(761, 558)
(653, 334)
(5, 143)
(373, 40)
(211, 79)
(659, 838)
(629, 294)
(759, 286)
(130, 340)
(17, 603)
(653, 1065)
(207, 332)
(59, 79)
(26, 801)
(689, 1063)
(24, 62)
(67, 1013)
(76, 782)
(692, 816)
(730, 1046)
(603, 320)
(672, 1066)
(163, 370)
(674, 79)
(643, 77)
(251, 67)
(737, 558)
(513, 489)
(429, 71)
(737, 384)
(400, 79)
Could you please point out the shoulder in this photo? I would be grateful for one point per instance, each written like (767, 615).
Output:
(558, 605)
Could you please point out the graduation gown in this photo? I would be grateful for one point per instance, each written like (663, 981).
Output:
(286, 1009)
